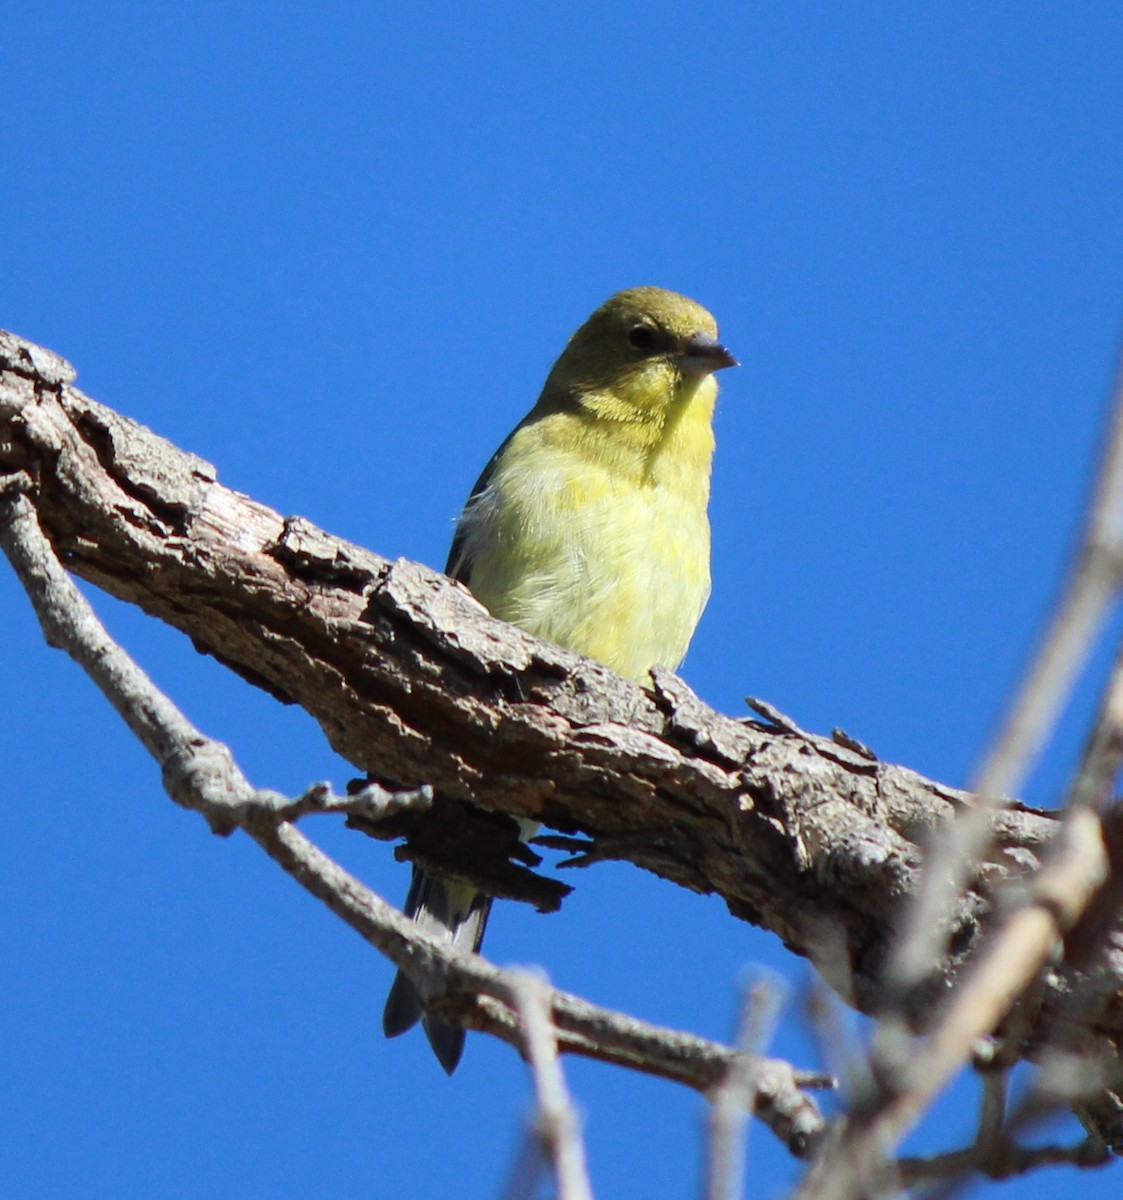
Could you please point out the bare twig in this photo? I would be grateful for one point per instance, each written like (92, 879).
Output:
(995, 1083)
(732, 1099)
(372, 802)
(1013, 1160)
(202, 775)
(995, 1152)
(555, 1134)
(1094, 782)
(1093, 585)
(1094, 582)
(839, 1044)
(776, 718)
(1013, 958)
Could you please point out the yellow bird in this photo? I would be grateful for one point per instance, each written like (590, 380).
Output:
(588, 528)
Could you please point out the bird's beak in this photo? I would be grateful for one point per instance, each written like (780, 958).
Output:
(702, 354)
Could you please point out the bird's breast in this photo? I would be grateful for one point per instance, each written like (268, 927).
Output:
(605, 556)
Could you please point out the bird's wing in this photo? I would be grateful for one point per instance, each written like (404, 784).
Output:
(459, 565)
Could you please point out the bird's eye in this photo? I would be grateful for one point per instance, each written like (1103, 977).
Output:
(643, 337)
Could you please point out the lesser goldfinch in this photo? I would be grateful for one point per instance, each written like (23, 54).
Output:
(588, 528)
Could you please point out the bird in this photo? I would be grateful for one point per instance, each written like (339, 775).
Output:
(589, 528)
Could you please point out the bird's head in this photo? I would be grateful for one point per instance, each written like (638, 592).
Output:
(640, 353)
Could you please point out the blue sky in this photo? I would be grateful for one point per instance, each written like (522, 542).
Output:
(334, 249)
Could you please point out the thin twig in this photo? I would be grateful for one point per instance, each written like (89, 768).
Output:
(1013, 958)
(951, 1171)
(1013, 1160)
(775, 717)
(555, 1133)
(995, 1084)
(372, 801)
(1094, 782)
(837, 1039)
(1092, 586)
(733, 1098)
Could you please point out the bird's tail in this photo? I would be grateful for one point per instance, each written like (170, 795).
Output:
(455, 913)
